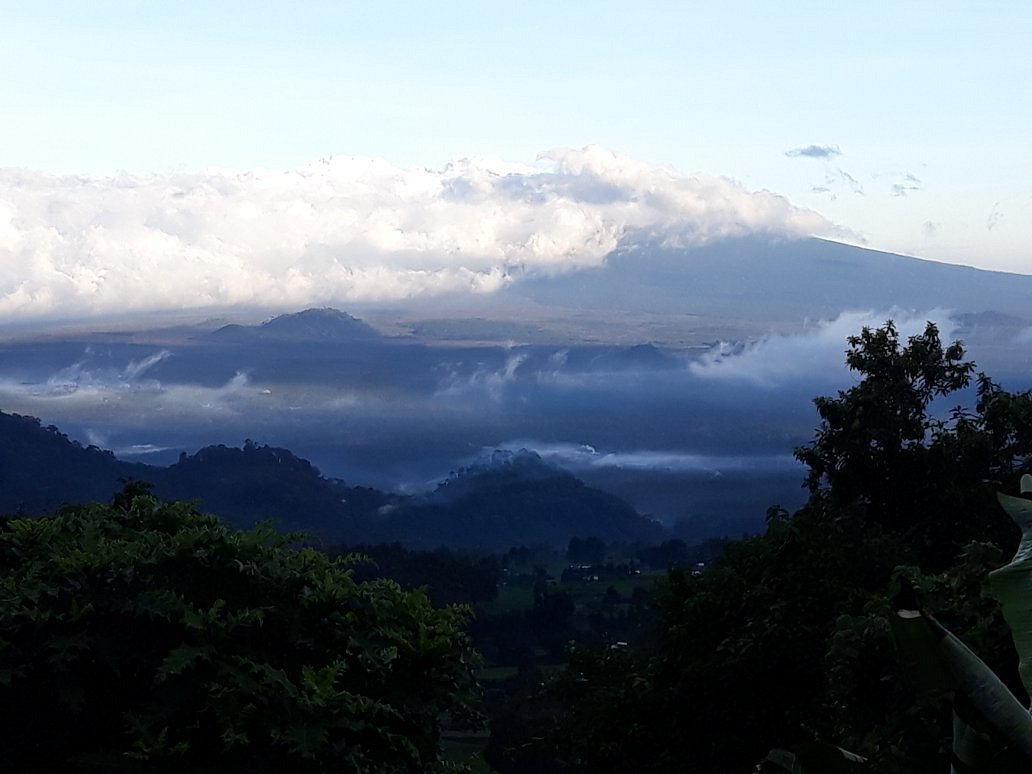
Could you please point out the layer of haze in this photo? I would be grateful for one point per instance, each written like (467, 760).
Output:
(706, 438)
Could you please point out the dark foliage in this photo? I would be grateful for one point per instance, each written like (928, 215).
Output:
(448, 577)
(588, 550)
(667, 555)
(146, 637)
(784, 640)
(928, 479)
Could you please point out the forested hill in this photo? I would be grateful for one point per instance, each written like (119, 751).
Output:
(511, 501)
(257, 482)
(41, 468)
(515, 495)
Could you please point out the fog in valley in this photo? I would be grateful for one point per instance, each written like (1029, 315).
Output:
(694, 432)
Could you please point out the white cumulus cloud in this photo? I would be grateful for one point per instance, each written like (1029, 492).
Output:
(348, 229)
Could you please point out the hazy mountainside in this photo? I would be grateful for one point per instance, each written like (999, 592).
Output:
(764, 279)
(311, 346)
(515, 499)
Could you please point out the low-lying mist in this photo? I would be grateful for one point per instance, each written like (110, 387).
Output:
(703, 440)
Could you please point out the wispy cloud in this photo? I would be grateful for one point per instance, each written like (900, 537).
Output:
(84, 388)
(138, 368)
(994, 217)
(854, 184)
(835, 181)
(908, 184)
(348, 229)
(580, 457)
(814, 152)
(483, 381)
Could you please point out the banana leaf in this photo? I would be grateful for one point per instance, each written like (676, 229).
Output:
(992, 729)
(813, 758)
(1012, 584)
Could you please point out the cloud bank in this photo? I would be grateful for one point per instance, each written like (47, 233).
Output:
(818, 353)
(348, 229)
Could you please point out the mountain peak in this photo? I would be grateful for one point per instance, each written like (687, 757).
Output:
(323, 324)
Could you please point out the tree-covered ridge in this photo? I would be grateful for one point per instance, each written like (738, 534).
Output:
(517, 498)
(511, 500)
(258, 482)
(41, 469)
(143, 636)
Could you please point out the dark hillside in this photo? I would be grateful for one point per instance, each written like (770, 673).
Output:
(517, 499)
(255, 483)
(41, 468)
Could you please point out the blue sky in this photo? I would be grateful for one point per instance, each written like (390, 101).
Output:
(904, 124)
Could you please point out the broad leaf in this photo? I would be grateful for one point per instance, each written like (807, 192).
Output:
(1012, 584)
(814, 758)
(992, 730)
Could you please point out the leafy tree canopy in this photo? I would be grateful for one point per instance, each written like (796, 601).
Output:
(143, 636)
(870, 432)
(927, 476)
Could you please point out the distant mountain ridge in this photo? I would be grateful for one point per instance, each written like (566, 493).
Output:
(763, 278)
(513, 501)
